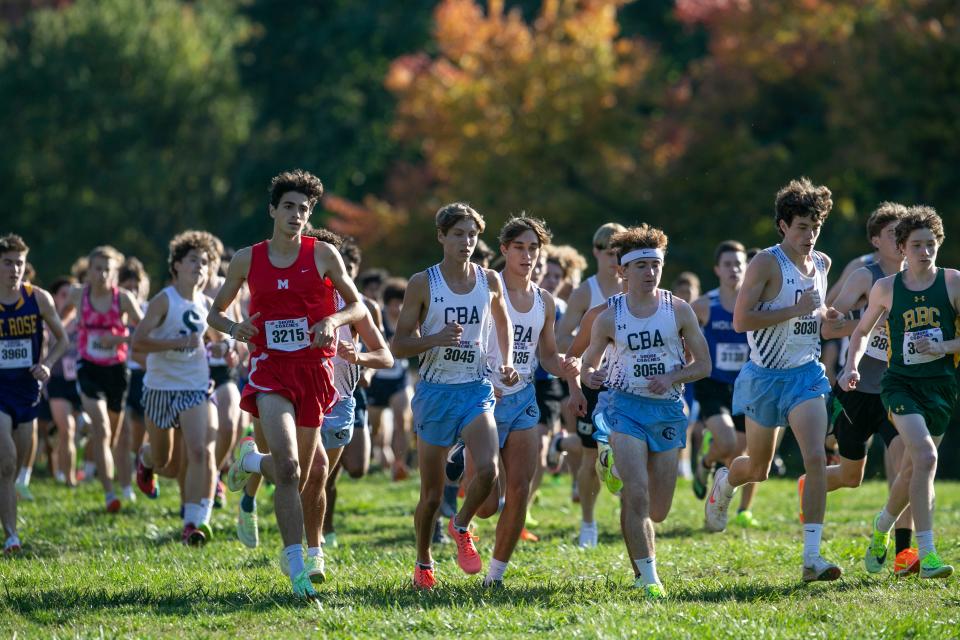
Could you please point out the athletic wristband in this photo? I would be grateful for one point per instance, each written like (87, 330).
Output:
(230, 330)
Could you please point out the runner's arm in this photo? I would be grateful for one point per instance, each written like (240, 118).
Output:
(880, 298)
(582, 340)
(502, 325)
(48, 311)
(552, 361)
(601, 335)
(156, 312)
(577, 306)
(406, 342)
(233, 282)
(855, 287)
(377, 355)
(689, 325)
(745, 316)
(331, 266)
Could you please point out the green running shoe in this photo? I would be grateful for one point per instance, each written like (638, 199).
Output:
(329, 540)
(247, 530)
(932, 567)
(207, 531)
(652, 591)
(236, 476)
(746, 520)
(303, 587)
(605, 464)
(315, 568)
(23, 492)
(876, 554)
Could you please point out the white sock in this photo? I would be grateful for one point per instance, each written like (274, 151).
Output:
(588, 525)
(206, 510)
(251, 462)
(812, 533)
(885, 521)
(294, 555)
(61, 477)
(89, 469)
(24, 476)
(648, 569)
(192, 514)
(314, 552)
(925, 543)
(495, 571)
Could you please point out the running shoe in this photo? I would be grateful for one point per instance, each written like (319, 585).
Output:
(715, 508)
(303, 587)
(315, 566)
(11, 546)
(778, 466)
(528, 520)
(206, 530)
(821, 571)
(701, 479)
(906, 562)
(284, 563)
(23, 492)
(801, 481)
(746, 520)
(236, 476)
(146, 480)
(329, 540)
(932, 567)
(588, 536)
(439, 537)
(423, 578)
(113, 506)
(876, 553)
(220, 495)
(192, 536)
(448, 506)
(555, 456)
(467, 556)
(651, 591)
(528, 536)
(247, 530)
(605, 469)
(455, 463)
(127, 494)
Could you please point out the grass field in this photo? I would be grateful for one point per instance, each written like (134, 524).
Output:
(85, 574)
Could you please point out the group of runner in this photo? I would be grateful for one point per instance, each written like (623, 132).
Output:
(521, 369)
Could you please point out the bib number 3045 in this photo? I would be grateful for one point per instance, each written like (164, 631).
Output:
(287, 335)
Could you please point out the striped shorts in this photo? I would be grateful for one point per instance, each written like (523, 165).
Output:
(164, 406)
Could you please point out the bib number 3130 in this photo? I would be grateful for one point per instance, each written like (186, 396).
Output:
(287, 335)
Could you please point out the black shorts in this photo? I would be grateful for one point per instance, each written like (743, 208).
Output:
(108, 382)
(585, 426)
(550, 394)
(857, 416)
(135, 395)
(221, 375)
(716, 398)
(59, 388)
(382, 389)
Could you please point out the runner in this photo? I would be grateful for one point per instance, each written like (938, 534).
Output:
(62, 389)
(919, 388)
(133, 277)
(452, 304)
(24, 309)
(780, 306)
(292, 328)
(105, 311)
(729, 352)
(648, 329)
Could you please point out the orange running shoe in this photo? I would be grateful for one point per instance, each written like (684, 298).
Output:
(400, 472)
(800, 482)
(113, 506)
(467, 556)
(423, 578)
(529, 536)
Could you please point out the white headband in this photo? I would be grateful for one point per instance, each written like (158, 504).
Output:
(637, 254)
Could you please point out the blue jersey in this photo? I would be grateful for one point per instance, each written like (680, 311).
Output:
(21, 338)
(728, 348)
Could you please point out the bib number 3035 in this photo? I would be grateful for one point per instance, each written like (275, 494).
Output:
(287, 335)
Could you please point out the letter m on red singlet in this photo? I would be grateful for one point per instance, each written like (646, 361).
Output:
(283, 284)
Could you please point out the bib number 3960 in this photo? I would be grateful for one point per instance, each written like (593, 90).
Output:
(287, 335)
(16, 354)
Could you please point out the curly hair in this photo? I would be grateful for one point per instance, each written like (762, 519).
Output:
(324, 235)
(299, 181)
(886, 213)
(185, 242)
(801, 199)
(517, 225)
(12, 242)
(642, 237)
(451, 214)
(920, 217)
(567, 258)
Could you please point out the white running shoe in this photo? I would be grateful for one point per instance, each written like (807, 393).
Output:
(588, 536)
(715, 508)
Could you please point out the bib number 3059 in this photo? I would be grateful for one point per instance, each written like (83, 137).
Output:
(287, 335)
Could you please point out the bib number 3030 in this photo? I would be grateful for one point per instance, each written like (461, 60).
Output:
(287, 335)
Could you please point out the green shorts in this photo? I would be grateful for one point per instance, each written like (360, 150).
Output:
(932, 398)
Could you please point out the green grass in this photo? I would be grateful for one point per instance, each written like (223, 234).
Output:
(87, 574)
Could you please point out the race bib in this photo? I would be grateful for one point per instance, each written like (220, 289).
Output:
(69, 364)
(16, 354)
(805, 329)
(522, 358)
(466, 353)
(731, 356)
(877, 343)
(287, 335)
(98, 350)
(910, 339)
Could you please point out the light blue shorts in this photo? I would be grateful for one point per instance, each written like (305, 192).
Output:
(767, 396)
(601, 424)
(442, 411)
(337, 428)
(662, 424)
(516, 412)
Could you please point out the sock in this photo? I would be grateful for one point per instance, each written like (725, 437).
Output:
(248, 503)
(726, 489)
(458, 527)
(89, 469)
(24, 476)
(61, 476)
(648, 569)
(885, 521)
(192, 514)
(314, 552)
(903, 537)
(206, 510)
(925, 543)
(495, 571)
(110, 497)
(426, 566)
(588, 525)
(294, 555)
(251, 462)
(11, 541)
(811, 542)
